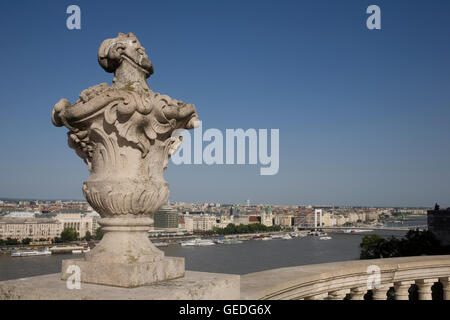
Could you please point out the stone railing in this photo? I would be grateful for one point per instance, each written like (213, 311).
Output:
(351, 279)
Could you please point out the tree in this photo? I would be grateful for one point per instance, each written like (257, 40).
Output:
(57, 240)
(245, 228)
(98, 234)
(26, 241)
(415, 243)
(390, 248)
(11, 242)
(88, 236)
(418, 243)
(69, 234)
(347, 224)
(370, 246)
(242, 228)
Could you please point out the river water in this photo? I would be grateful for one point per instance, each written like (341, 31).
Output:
(247, 257)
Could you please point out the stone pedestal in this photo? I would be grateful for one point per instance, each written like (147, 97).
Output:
(125, 275)
(193, 286)
(125, 257)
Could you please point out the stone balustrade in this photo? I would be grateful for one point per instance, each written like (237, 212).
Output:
(351, 279)
(383, 278)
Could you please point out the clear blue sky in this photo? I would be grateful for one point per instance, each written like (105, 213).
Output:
(363, 115)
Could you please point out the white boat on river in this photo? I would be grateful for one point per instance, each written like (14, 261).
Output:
(277, 236)
(160, 244)
(357, 230)
(30, 253)
(317, 233)
(198, 242)
(228, 241)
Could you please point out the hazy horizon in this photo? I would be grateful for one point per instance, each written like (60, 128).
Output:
(229, 203)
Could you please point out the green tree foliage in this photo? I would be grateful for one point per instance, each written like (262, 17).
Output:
(57, 240)
(88, 236)
(245, 228)
(26, 241)
(422, 243)
(397, 214)
(369, 246)
(11, 242)
(69, 234)
(415, 243)
(98, 235)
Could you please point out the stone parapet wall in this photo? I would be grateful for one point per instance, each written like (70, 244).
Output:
(324, 280)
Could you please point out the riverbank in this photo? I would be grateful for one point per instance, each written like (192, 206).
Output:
(246, 257)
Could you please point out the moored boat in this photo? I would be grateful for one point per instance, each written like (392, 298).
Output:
(30, 253)
(317, 233)
(357, 230)
(198, 242)
(277, 236)
(160, 244)
(231, 241)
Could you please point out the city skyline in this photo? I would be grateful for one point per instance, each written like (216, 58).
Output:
(244, 204)
(362, 114)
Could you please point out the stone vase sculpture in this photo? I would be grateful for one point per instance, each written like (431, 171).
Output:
(124, 134)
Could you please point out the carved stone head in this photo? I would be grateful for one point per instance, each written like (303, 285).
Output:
(113, 51)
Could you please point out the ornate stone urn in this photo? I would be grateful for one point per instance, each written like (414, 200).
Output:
(124, 134)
